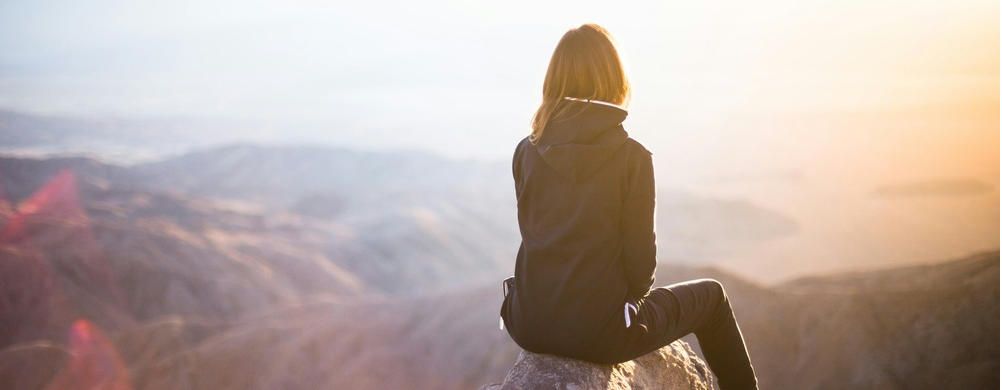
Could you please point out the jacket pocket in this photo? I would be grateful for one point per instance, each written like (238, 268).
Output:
(506, 287)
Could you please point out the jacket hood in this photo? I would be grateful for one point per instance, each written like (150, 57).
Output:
(577, 146)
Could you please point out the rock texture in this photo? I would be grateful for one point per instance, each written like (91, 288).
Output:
(675, 366)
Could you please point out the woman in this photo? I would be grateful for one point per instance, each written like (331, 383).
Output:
(584, 271)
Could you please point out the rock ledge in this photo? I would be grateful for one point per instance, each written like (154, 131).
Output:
(674, 366)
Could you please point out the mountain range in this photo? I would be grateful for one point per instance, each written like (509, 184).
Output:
(261, 267)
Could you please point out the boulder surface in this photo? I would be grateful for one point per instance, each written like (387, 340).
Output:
(675, 366)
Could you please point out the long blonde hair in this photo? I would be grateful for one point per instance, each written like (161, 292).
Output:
(585, 65)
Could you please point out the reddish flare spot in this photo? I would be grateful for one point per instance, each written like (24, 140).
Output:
(94, 362)
(56, 202)
(47, 244)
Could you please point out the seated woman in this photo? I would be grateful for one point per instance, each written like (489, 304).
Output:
(584, 271)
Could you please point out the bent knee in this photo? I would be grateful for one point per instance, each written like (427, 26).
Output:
(715, 288)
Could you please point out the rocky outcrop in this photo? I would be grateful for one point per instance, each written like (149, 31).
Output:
(675, 366)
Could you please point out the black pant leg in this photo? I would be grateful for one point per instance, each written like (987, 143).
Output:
(701, 307)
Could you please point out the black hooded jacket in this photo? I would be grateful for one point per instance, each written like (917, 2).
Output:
(585, 195)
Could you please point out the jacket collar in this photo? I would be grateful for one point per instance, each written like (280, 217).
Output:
(586, 122)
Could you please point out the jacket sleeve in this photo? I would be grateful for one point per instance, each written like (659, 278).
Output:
(639, 248)
(516, 167)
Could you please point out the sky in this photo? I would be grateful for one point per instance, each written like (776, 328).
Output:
(813, 80)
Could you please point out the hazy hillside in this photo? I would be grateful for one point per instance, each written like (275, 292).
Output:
(759, 225)
(469, 201)
(283, 175)
(121, 256)
(933, 337)
(197, 286)
(418, 242)
(932, 326)
(397, 221)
